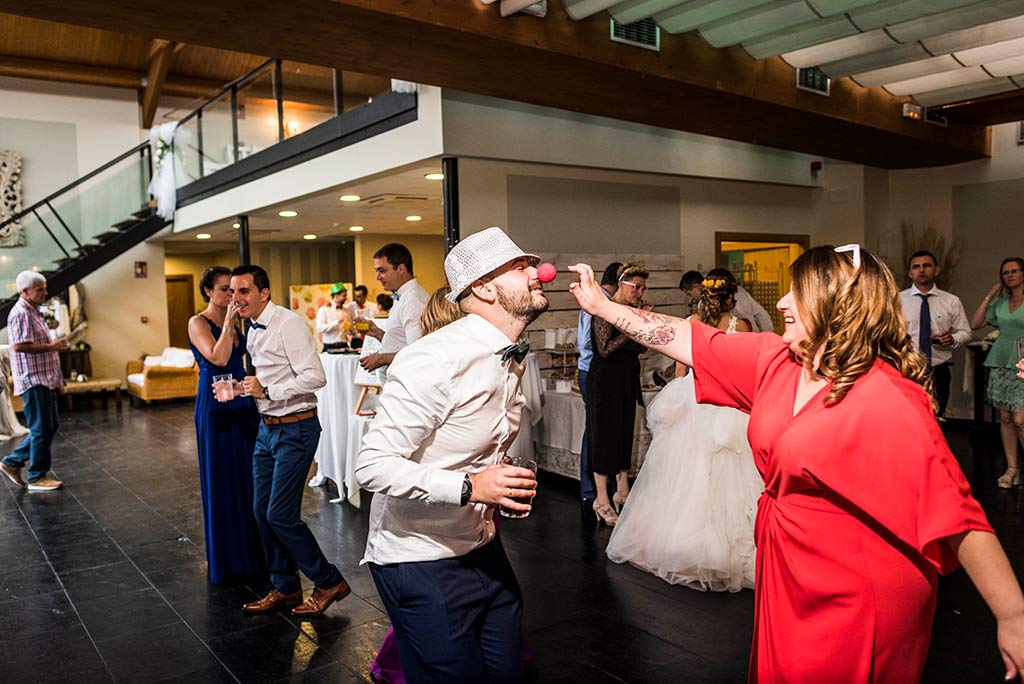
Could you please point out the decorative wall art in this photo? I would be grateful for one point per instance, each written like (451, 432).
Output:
(13, 234)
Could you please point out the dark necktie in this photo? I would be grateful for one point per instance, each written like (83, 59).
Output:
(924, 337)
(515, 351)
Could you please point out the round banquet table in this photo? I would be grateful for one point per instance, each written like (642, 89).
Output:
(336, 402)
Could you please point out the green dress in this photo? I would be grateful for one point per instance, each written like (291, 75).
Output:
(1005, 389)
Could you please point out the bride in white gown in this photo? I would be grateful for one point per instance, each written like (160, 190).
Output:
(690, 516)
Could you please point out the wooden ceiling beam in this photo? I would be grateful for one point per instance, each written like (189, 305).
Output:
(553, 62)
(161, 52)
(45, 70)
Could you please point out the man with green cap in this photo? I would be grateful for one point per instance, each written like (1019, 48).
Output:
(332, 320)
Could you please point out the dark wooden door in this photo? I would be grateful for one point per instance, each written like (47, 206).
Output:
(180, 307)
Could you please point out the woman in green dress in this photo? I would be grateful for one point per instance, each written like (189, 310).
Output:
(1001, 308)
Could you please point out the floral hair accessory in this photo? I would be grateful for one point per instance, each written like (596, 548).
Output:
(713, 283)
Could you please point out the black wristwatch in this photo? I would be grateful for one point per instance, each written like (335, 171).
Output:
(266, 394)
(467, 490)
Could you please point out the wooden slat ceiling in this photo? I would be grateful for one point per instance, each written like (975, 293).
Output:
(554, 62)
(65, 52)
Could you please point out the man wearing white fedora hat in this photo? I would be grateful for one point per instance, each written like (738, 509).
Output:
(434, 458)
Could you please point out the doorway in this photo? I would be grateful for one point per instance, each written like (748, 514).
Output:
(760, 263)
(181, 306)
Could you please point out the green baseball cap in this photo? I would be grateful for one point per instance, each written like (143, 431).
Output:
(338, 287)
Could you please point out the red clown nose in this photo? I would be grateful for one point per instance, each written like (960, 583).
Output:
(546, 272)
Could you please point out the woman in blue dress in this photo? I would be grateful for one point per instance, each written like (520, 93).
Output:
(225, 434)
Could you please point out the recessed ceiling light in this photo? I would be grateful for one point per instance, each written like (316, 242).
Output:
(309, 236)
(350, 198)
(414, 217)
(434, 176)
(356, 229)
(203, 236)
(288, 213)
(236, 225)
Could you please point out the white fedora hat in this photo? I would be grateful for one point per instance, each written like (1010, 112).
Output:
(478, 255)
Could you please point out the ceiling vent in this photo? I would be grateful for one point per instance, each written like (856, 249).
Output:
(813, 80)
(387, 198)
(644, 33)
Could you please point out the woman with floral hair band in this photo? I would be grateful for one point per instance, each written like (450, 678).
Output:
(864, 503)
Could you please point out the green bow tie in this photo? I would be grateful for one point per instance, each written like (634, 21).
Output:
(515, 351)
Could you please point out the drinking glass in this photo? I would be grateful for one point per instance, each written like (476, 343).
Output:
(520, 462)
(223, 388)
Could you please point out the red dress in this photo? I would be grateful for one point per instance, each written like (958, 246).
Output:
(858, 498)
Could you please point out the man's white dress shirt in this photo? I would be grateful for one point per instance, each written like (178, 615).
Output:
(450, 407)
(947, 315)
(404, 319)
(747, 307)
(330, 323)
(367, 311)
(284, 356)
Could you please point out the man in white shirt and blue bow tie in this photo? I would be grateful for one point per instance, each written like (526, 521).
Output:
(434, 458)
(288, 374)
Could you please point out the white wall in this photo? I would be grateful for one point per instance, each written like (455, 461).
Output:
(106, 124)
(833, 213)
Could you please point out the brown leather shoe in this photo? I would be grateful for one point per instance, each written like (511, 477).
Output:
(321, 599)
(272, 600)
(13, 474)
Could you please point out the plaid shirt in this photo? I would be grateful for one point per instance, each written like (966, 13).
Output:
(26, 324)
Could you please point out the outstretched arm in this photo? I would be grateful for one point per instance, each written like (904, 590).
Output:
(986, 564)
(666, 334)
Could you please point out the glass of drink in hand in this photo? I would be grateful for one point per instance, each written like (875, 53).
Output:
(361, 324)
(223, 387)
(519, 462)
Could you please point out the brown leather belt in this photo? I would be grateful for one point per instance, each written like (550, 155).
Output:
(290, 418)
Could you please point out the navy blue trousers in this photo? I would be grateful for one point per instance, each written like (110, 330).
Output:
(456, 620)
(588, 490)
(40, 406)
(279, 468)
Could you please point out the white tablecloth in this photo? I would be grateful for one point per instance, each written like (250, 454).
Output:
(533, 389)
(336, 402)
(10, 428)
(560, 433)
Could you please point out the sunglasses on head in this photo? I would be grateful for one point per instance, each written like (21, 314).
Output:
(639, 288)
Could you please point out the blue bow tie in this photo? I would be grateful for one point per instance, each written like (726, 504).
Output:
(394, 295)
(257, 326)
(515, 351)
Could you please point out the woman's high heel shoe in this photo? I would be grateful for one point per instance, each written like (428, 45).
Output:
(605, 515)
(618, 502)
(1010, 478)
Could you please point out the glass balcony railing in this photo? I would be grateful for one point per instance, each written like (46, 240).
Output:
(278, 100)
(49, 234)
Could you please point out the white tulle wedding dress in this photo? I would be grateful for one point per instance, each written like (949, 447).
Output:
(690, 516)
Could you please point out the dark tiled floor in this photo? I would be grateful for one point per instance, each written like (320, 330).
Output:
(106, 581)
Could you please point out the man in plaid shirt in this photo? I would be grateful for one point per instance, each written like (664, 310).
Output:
(35, 364)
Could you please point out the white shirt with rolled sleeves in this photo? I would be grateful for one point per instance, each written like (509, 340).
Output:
(404, 319)
(947, 314)
(330, 323)
(450, 407)
(286, 362)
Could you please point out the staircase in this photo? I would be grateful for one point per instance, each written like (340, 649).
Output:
(83, 226)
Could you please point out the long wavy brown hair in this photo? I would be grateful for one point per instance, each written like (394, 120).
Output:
(716, 300)
(856, 314)
(438, 312)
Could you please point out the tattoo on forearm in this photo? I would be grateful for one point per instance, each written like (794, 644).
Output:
(653, 329)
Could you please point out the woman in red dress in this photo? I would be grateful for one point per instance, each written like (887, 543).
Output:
(864, 504)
